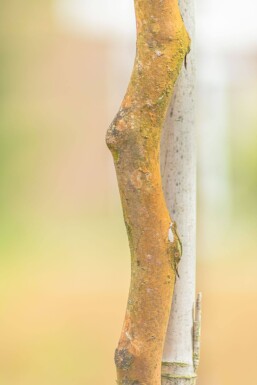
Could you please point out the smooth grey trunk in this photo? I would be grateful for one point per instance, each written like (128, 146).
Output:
(178, 166)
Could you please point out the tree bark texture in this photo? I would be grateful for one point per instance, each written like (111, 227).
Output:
(178, 165)
(134, 140)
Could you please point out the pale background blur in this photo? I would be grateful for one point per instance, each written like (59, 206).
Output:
(64, 267)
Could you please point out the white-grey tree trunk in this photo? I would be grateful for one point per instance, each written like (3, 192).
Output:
(178, 166)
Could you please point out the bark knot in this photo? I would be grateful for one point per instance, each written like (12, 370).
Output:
(139, 176)
(119, 125)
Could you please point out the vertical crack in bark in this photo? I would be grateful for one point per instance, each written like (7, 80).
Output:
(134, 140)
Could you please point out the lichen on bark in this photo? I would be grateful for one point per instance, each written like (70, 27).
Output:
(134, 140)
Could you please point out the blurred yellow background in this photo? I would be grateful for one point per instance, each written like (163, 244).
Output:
(64, 270)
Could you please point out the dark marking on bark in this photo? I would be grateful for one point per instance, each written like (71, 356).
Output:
(130, 382)
(185, 62)
(123, 359)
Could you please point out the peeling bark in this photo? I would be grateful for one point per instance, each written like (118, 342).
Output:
(134, 140)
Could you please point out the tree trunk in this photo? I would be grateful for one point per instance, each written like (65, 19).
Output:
(178, 164)
(134, 140)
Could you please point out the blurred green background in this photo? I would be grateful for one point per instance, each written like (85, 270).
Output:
(64, 258)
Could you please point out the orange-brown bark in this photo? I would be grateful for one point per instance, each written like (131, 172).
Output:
(134, 140)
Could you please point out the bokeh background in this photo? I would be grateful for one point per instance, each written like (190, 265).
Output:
(64, 265)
